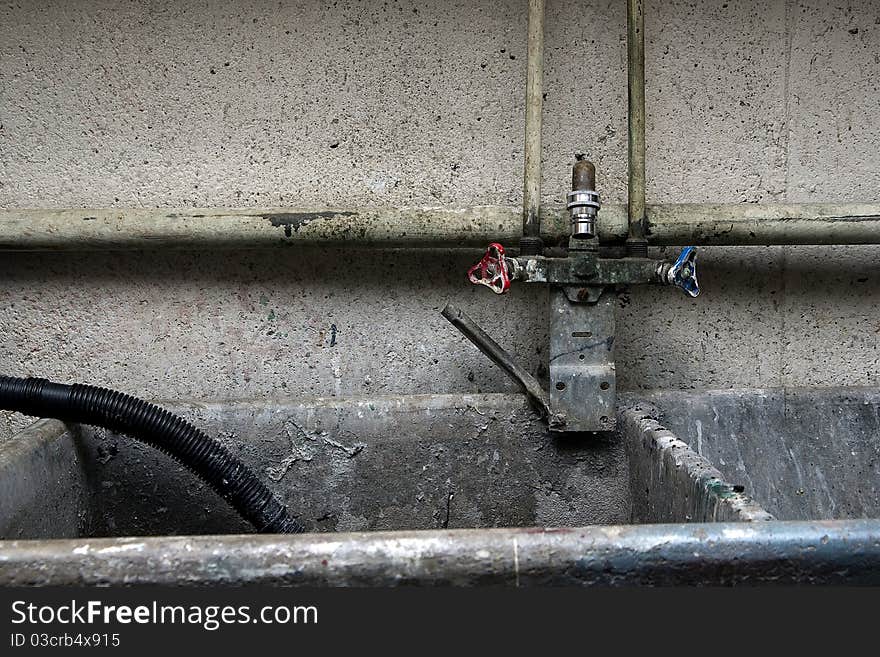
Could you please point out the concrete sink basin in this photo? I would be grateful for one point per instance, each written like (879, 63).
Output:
(464, 490)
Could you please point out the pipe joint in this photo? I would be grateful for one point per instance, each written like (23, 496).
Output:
(583, 206)
(583, 200)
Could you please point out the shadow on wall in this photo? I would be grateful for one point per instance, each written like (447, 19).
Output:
(334, 322)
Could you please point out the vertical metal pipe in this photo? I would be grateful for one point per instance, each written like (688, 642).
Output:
(531, 243)
(635, 51)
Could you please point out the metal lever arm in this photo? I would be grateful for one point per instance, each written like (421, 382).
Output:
(498, 356)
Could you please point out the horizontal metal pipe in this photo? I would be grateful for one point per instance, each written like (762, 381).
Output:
(220, 228)
(764, 224)
(469, 227)
(839, 551)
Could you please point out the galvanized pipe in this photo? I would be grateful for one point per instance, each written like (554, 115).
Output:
(222, 228)
(467, 227)
(534, 101)
(635, 57)
(836, 551)
(750, 224)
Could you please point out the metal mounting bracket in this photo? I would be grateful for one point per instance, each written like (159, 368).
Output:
(582, 373)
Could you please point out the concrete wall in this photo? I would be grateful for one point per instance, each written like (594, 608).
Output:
(255, 103)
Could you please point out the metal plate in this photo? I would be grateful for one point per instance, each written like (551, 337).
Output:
(582, 375)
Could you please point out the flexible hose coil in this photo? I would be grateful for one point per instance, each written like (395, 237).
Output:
(155, 426)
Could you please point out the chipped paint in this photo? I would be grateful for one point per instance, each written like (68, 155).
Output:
(291, 222)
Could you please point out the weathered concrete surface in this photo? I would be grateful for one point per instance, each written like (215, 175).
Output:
(240, 103)
(670, 482)
(44, 490)
(801, 453)
(419, 462)
(257, 325)
(115, 104)
(379, 463)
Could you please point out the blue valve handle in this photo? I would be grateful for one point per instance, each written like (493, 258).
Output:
(683, 273)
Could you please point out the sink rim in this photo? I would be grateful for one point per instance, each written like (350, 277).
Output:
(777, 552)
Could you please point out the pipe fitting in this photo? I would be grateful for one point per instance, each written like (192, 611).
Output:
(583, 201)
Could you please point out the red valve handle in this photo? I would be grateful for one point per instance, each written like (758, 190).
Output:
(491, 271)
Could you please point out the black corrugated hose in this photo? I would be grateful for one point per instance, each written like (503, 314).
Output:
(148, 423)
